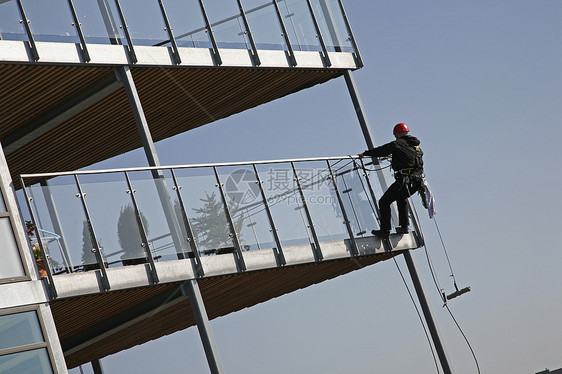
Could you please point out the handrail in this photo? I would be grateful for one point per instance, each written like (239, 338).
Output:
(185, 166)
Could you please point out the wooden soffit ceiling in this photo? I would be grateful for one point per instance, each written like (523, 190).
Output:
(98, 325)
(174, 100)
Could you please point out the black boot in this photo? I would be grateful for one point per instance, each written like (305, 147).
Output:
(402, 230)
(382, 234)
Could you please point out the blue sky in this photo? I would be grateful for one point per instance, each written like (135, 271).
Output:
(480, 84)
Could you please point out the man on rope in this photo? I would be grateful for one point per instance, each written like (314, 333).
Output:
(407, 163)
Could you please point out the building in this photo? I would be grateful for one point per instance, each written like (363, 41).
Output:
(83, 81)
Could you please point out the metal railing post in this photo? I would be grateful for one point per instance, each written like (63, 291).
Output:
(142, 231)
(188, 227)
(239, 258)
(216, 53)
(57, 227)
(316, 250)
(97, 249)
(51, 284)
(290, 51)
(319, 35)
(351, 36)
(371, 190)
(31, 40)
(255, 56)
(354, 251)
(280, 256)
(170, 33)
(78, 25)
(125, 27)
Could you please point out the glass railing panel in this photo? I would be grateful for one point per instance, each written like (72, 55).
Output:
(332, 25)
(73, 249)
(247, 207)
(10, 26)
(188, 23)
(157, 200)
(286, 204)
(356, 197)
(228, 26)
(205, 209)
(114, 219)
(51, 20)
(100, 21)
(372, 171)
(264, 23)
(300, 25)
(322, 200)
(145, 21)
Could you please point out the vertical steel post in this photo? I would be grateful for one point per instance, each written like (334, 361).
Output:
(434, 332)
(317, 251)
(125, 76)
(190, 288)
(109, 22)
(365, 128)
(432, 326)
(96, 366)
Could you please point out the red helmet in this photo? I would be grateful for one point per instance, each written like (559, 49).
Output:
(401, 127)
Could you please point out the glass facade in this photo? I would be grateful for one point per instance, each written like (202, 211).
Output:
(22, 346)
(194, 23)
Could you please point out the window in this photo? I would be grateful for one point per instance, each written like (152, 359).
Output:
(23, 348)
(10, 261)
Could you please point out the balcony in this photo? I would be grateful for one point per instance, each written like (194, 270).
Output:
(63, 97)
(121, 242)
(176, 26)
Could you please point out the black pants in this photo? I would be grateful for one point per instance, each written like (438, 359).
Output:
(399, 191)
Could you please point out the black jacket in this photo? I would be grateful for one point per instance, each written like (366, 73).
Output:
(404, 153)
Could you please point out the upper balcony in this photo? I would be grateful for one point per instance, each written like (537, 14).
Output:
(193, 62)
(122, 241)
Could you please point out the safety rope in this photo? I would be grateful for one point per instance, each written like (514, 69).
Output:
(440, 290)
(436, 282)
